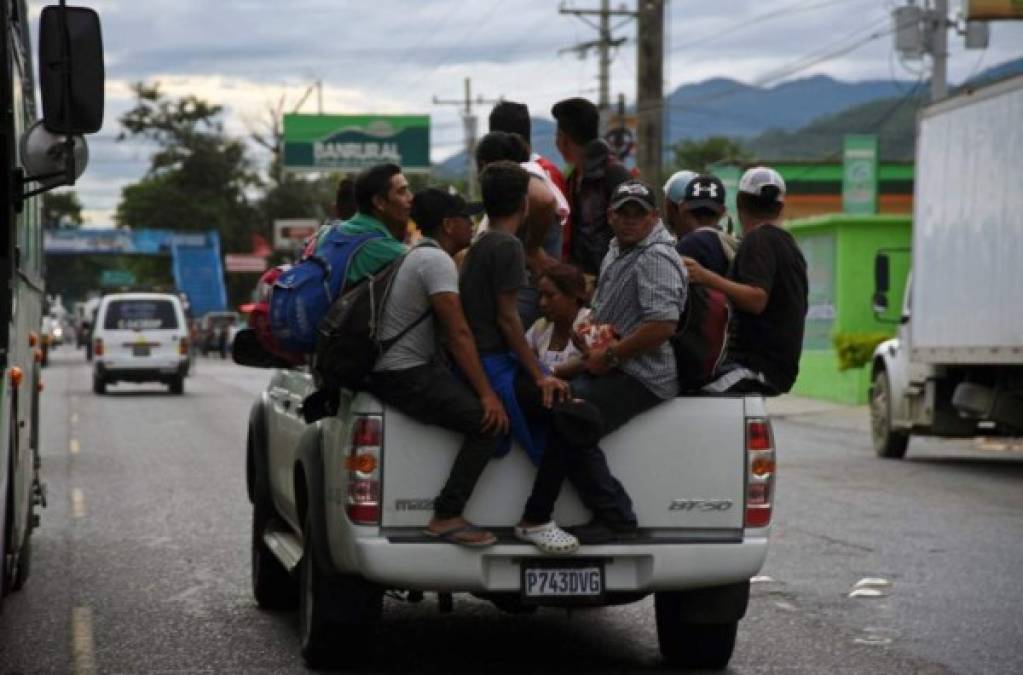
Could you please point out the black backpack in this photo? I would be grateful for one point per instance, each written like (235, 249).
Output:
(347, 346)
(699, 343)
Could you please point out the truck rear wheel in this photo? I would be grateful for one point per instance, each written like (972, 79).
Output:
(685, 644)
(177, 384)
(337, 613)
(888, 442)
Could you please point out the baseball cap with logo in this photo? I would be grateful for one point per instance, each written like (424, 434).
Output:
(705, 192)
(634, 191)
(675, 188)
(763, 182)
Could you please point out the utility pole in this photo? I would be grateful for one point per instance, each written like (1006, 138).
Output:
(469, 121)
(650, 90)
(922, 30)
(603, 44)
(939, 50)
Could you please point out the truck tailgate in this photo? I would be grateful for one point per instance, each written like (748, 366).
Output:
(683, 464)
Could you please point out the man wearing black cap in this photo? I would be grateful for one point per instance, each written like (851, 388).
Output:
(695, 220)
(409, 376)
(640, 293)
(595, 175)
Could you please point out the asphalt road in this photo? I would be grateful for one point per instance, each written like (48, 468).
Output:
(141, 564)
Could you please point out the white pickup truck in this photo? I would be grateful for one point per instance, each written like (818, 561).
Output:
(339, 506)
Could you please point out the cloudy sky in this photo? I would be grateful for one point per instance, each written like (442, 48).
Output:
(393, 56)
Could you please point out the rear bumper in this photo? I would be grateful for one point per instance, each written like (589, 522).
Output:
(628, 567)
(148, 371)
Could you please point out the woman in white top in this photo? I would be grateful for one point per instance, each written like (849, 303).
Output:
(562, 296)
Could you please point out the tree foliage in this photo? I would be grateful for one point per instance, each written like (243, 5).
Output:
(61, 209)
(198, 179)
(699, 155)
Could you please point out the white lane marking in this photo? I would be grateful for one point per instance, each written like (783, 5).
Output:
(77, 503)
(82, 648)
(872, 582)
(870, 587)
(761, 579)
(74, 418)
(74, 446)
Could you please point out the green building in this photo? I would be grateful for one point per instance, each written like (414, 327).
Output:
(840, 251)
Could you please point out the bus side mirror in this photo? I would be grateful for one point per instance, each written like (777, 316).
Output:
(71, 74)
(881, 284)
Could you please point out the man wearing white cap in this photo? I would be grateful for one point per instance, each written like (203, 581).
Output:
(767, 286)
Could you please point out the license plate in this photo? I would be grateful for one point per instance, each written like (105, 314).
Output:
(569, 581)
(140, 350)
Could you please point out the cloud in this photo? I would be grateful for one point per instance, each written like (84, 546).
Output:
(392, 56)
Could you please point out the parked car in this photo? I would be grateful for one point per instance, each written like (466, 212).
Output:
(339, 508)
(140, 337)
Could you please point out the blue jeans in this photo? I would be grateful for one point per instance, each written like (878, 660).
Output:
(619, 397)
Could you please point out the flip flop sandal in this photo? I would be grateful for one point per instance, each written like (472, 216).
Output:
(549, 538)
(451, 536)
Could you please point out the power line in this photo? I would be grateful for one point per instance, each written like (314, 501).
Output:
(757, 20)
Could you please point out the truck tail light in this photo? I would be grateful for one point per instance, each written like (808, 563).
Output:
(760, 471)
(97, 347)
(183, 347)
(363, 466)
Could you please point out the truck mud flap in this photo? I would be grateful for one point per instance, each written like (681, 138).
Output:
(310, 453)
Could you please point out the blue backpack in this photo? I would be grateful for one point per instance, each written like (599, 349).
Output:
(302, 294)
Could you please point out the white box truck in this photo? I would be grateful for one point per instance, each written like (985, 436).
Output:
(955, 368)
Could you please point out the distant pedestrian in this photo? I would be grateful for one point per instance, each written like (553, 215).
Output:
(767, 286)
(595, 174)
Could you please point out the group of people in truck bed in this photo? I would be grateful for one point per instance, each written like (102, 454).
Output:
(549, 321)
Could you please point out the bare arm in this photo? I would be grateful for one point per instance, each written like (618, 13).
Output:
(551, 388)
(448, 309)
(541, 217)
(510, 324)
(746, 298)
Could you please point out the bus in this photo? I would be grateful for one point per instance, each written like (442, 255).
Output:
(41, 147)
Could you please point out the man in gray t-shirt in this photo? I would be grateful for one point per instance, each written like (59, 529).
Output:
(409, 375)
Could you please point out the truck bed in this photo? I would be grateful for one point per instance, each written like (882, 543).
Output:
(683, 464)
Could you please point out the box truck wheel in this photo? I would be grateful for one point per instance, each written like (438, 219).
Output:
(888, 442)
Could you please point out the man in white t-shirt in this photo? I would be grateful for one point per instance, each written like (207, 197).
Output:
(411, 375)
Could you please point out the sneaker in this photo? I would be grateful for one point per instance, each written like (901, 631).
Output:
(549, 538)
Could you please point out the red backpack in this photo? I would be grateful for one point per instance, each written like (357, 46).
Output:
(259, 317)
(699, 342)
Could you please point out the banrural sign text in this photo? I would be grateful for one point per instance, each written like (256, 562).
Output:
(354, 142)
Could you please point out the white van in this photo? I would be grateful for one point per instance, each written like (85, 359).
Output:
(140, 337)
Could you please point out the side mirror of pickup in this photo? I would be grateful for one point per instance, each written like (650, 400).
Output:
(247, 351)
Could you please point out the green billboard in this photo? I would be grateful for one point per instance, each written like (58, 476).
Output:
(859, 177)
(354, 142)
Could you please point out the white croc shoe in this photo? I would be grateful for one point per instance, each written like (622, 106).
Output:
(549, 538)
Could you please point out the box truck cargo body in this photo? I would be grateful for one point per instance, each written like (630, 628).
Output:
(956, 366)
